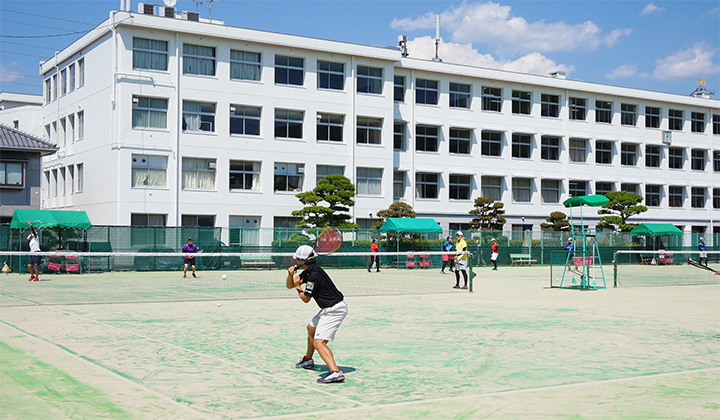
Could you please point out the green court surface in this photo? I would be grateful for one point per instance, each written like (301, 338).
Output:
(513, 349)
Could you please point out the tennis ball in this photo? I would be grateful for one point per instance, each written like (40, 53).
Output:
(224, 277)
(218, 305)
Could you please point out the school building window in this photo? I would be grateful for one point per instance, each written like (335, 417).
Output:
(244, 65)
(697, 197)
(652, 156)
(198, 116)
(244, 175)
(198, 60)
(653, 195)
(675, 196)
(460, 187)
(369, 80)
(288, 124)
(149, 112)
(697, 122)
(491, 187)
(150, 54)
(245, 120)
(628, 114)
(578, 150)
(198, 173)
(460, 141)
(628, 154)
(149, 171)
(399, 89)
(675, 119)
(330, 75)
(427, 185)
(603, 112)
(491, 99)
(426, 138)
(549, 105)
(490, 143)
(399, 136)
(321, 171)
(369, 181)
(698, 159)
(369, 130)
(522, 190)
(330, 127)
(521, 146)
(12, 174)
(289, 70)
(577, 188)
(521, 102)
(652, 117)
(289, 176)
(603, 152)
(676, 157)
(459, 95)
(550, 190)
(550, 148)
(578, 109)
(426, 92)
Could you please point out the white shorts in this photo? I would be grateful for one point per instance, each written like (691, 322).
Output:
(328, 320)
(461, 264)
(494, 256)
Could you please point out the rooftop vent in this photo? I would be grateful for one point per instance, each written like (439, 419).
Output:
(191, 16)
(558, 74)
(168, 12)
(146, 9)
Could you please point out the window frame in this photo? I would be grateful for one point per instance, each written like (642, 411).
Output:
(697, 122)
(211, 168)
(368, 181)
(491, 99)
(399, 88)
(653, 153)
(286, 73)
(653, 117)
(238, 65)
(574, 150)
(521, 105)
(424, 184)
(698, 200)
(457, 141)
(242, 175)
(603, 152)
(399, 136)
(628, 114)
(522, 145)
(242, 118)
(676, 196)
(548, 107)
(574, 188)
(603, 111)
(369, 130)
(328, 78)
(149, 110)
(698, 159)
(549, 151)
(205, 116)
(427, 91)
(676, 161)
(329, 126)
(518, 190)
(155, 164)
(546, 190)
(4, 173)
(628, 154)
(150, 52)
(290, 124)
(367, 83)
(578, 108)
(427, 138)
(299, 169)
(460, 187)
(489, 188)
(653, 195)
(491, 146)
(675, 119)
(458, 97)
(198, 58)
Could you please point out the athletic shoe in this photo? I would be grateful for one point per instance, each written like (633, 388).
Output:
(184, 276)
(377, 271)
(36, 279)
(305, 363)
(456, 287)
(194, 276)
(332, 377)
(464, 287)
(442, 272)
(31, 278)
(369, 270)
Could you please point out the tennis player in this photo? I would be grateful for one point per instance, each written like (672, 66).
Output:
(461, 261)
(570, 249)
(189, 248)
(33, 260)
(326, 322)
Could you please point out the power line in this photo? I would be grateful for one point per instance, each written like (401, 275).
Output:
(27, 55)
(32, 24)
(46, 17)
(29, 45)
(19, 74)
(43, 36)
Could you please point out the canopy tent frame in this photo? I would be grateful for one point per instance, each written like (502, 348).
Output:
(655, 231)
(587, 281)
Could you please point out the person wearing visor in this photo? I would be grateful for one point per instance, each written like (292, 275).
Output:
(333, 310)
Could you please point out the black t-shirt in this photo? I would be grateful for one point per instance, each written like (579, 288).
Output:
(318, 285)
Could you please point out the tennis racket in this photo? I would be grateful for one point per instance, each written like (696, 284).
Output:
(698, 265)
(327, 242)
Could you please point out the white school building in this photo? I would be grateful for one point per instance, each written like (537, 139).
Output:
(166, 118)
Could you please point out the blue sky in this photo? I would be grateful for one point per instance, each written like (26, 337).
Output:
(660, 45)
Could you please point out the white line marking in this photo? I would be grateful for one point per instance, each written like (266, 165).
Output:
(246, 369)
(487, 394)
(77, 357)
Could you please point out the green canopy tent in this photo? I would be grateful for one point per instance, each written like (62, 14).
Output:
(655, 231)
(410, 225)
(56, 220)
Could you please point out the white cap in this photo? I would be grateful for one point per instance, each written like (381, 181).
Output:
(493, 239)
(702, 239)
(569, 239)
(305, 252)
(459, 233)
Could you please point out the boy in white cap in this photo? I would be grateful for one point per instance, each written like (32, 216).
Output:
(461, 261)
(333, 310)
(703, 254)
(570, 249)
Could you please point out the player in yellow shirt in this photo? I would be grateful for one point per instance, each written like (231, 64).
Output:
(461, 261)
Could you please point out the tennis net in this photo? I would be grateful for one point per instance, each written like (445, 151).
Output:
(665, 268)
(105, 277)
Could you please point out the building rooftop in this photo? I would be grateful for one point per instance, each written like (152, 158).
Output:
(13, 139)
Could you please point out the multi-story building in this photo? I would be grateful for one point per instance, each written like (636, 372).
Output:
(183, 121)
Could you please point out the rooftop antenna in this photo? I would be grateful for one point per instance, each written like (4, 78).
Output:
(210, 3)
(701, 91)
(402, 43)
(197, 4)
(437, 39)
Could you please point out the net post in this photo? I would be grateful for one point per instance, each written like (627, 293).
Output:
(615, 269)
(470, 274)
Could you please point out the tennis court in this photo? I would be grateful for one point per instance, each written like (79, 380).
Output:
(411, 348)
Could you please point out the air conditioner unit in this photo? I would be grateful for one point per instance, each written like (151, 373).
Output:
(191, 16)
(168, 12)
(301, 169)
(146, 9)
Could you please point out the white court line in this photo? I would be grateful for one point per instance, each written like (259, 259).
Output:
(77, 357)
(318, 414)
(239, 366)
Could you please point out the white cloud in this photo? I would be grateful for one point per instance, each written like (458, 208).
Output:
(622, 72)
(493, 24)
(696, 61)
(8, 75)
(650, 9)
(451, 52)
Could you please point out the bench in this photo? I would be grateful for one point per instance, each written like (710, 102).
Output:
(256, 262)
(521, 259)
